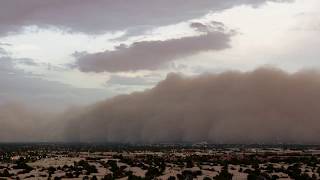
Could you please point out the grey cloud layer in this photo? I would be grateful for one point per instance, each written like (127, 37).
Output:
(17, 85)
(154, 54)
(148, 55)
(103, 15)
(263, 106)
(2, 51)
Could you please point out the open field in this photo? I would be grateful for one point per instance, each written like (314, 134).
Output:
(158, 161)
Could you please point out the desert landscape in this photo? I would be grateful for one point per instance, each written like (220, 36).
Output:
(160, 89)
(159, 161)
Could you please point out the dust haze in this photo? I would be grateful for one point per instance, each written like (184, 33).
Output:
(266, 105)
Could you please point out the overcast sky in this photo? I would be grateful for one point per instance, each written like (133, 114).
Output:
(113, 47)
(57, 54)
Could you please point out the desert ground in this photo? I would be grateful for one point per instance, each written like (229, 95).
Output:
(197, 161)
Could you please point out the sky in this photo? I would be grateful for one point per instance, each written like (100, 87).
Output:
(59, 57)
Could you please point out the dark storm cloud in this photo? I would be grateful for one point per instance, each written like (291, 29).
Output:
(149, 55)
(104, 15)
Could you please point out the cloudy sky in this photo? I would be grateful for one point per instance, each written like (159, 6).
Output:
(59, 54)
(77, 51)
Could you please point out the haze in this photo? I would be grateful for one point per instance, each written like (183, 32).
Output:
(221, 71)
